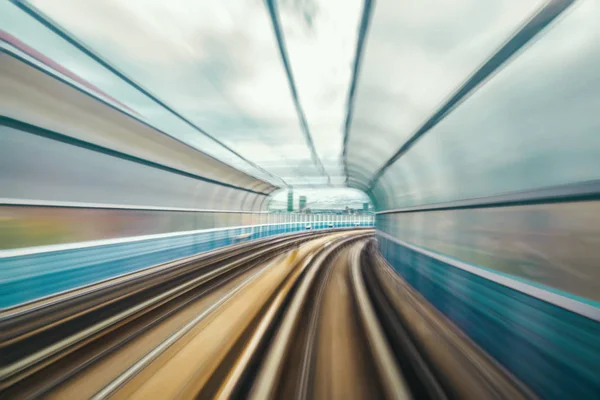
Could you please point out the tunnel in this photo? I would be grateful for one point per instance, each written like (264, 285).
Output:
(300, 199)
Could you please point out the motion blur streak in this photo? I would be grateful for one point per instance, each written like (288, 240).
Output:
(333, 199)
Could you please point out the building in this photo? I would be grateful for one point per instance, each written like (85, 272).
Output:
(365, 207)
(302, 203)
(290, 200)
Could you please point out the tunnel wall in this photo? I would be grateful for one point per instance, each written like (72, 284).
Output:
(34, 272)
(89, 190)
(554, 245)
(39, 100)
(77, 166)
(517, 273)
(546, 340)
(491, 209)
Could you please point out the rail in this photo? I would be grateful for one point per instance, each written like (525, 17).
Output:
(308, 315)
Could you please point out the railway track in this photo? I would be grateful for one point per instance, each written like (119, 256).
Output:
(305, 316)
(328, 345)
(437, 359)
(46, 342)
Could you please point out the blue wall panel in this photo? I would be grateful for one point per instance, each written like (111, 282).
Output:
(553, 350)
(37, 274)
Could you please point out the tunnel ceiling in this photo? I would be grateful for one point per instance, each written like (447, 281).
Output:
(312, 93)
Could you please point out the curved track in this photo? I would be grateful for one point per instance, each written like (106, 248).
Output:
(304, 316)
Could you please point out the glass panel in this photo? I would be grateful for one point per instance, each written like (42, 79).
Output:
(29, 38)
(533, 125)
(23, 226)
(417, 53)
(550, 244)
(216, 63)
(98, 178)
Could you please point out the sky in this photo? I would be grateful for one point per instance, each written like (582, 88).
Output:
(323, 198)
